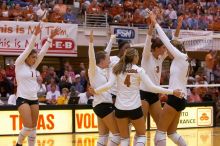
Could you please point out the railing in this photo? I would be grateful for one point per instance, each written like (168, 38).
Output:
(96, 20)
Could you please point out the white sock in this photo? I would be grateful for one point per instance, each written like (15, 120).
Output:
(114, 140)
(141, 140)
(102, 141)
(23, 134)
(125, 142)
(32, 137)
(160, 138)
(135, 139)
(177, 139)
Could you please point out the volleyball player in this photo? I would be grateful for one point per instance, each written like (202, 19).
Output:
(153, 56)
(169, 117)
(102, 104)
(26, 76)
(122, 46)
(127, 76)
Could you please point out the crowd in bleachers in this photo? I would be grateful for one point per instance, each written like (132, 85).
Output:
(197, 14)
(202, 14)
(47, 11)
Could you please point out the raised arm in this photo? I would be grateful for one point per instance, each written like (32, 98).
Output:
(147, 46)
(22, 57)
(92, 61)
(175, 52)
(179, 25)
(109, 46)
(152, 87)
(45, 47)
(106, 86)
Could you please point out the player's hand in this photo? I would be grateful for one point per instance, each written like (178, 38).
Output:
(180, 21)
(153, 18)
(37, 30)
(113, 37)
(178, 93)
(55, 32)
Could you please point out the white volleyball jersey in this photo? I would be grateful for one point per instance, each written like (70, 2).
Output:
(97, 78)
(128, 86)
(151, 65)
(26, 76)
(114, 60)
(179, 68)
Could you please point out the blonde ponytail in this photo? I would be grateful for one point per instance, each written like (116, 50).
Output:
(127, 58)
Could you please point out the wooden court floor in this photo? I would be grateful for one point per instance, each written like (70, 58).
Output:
(194, 137)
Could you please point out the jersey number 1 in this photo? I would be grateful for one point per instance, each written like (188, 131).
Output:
(127, 80)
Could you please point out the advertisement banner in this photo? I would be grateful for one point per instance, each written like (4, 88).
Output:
(199, 40)
(125, 33)
(49, 121)
(15, 36)
(85, 121)
(193, 117)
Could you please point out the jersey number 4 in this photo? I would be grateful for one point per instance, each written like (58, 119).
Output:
(127, 80)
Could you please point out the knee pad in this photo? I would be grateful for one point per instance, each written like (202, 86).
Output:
(141, 140)
(116, 138)
(32, 135)
(160, 136)
(125, 142)
(26, 131)
(102, 141)
(177, 139)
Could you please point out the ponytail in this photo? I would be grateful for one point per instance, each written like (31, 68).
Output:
(120, 66)
(126, 59)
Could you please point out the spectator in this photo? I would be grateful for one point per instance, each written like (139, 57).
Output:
(83, 79)
(216, 72)
(209, 64)
(10, 70)
(62, 8)
(56, 16)
(71, 73)
(41, 93)
(17, 13)
(52, 82)
(64, 97)
(69, 17)
(193, 22)
(12, 99)
(194, 96)
(51, 74)
(42, 13)
(64, 83)
(77, 84)
(29, 14)
(82, 66)
(6, 87)
(52, 95)
(4, 12)
(171, 16)
(85, 98)
(44, 72)
(93, 8)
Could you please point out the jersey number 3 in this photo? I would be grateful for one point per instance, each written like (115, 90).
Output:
(127, 80)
